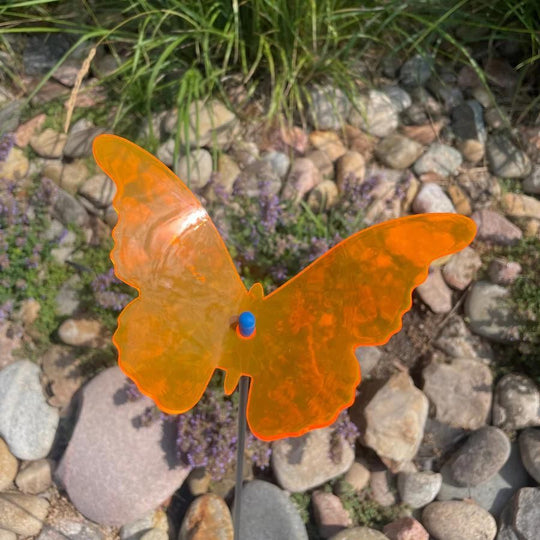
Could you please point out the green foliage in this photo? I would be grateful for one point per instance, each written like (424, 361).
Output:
(525, 298)
(102, 294)
(364, 511)
(173, 52)
(28, 269)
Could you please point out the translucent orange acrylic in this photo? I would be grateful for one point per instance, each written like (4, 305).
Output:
(301, 360)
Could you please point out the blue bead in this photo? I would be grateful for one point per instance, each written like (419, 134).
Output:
(246, 323)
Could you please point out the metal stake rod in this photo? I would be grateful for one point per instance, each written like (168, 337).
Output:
(243, 387)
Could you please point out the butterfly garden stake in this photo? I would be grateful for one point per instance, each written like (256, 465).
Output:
(295, 346)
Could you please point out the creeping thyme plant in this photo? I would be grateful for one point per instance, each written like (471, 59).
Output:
(27, 267)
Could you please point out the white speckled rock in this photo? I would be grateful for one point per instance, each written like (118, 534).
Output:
(27, 423)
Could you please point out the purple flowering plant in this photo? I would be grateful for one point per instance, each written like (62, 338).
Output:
(26, 268)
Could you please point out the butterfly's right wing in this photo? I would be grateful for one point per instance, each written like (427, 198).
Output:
(171, 337)
(302, 357)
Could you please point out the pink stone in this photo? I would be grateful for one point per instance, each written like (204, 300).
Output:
(330, 515)
(406, 528)
(113, 470)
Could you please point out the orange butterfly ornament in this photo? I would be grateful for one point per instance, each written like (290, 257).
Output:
(300, 354)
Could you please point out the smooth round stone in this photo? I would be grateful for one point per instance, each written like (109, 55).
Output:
(375, 113)
(22, 514)
(323, 196)
(527, 513)
(462, 268)
(322, 162)
(165, 152)
(357, 478)
(81, 332)
(481, 457)
(329, 513)
(459, 199)
(359, 533)
(503, 272)
(531, 184)
(259, 178)
(516, 402)
(69, 210)
(80, 139)
(350, 167)
(68, 301)
(302, 463)
(15, 167)
(367, 357)
(489, 314)
(156, 519)
(468, 122)
(520, 206)
(460, 392)
(505, 159)
(68, 176)
(432, 198)
(8, 466)
(494, 227)
(208, 516)
(417, 489)
(440, 159)
(195, 169)
(48, 143)
(529, 447)
(279, 161)
(494, 493)
(199, 481)
(268, 513)
(400, 98)
(397, 151)
(99, 190)
(329, 143)
(70, 528)
(27, 423)
(382, 485)
(424, 108)
(110, 490)
(7, 535)
(228, 171)
(302, 178)
(327, 107)
(457, 341)
(391, 417)
(405, 528)
(457, 520)
(435, 293)
(473, 151)
(34, 477)
(416, 71)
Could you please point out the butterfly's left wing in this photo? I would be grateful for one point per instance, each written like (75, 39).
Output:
(173, 335)
(356, 294)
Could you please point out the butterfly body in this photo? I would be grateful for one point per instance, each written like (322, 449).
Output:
(300, 356)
